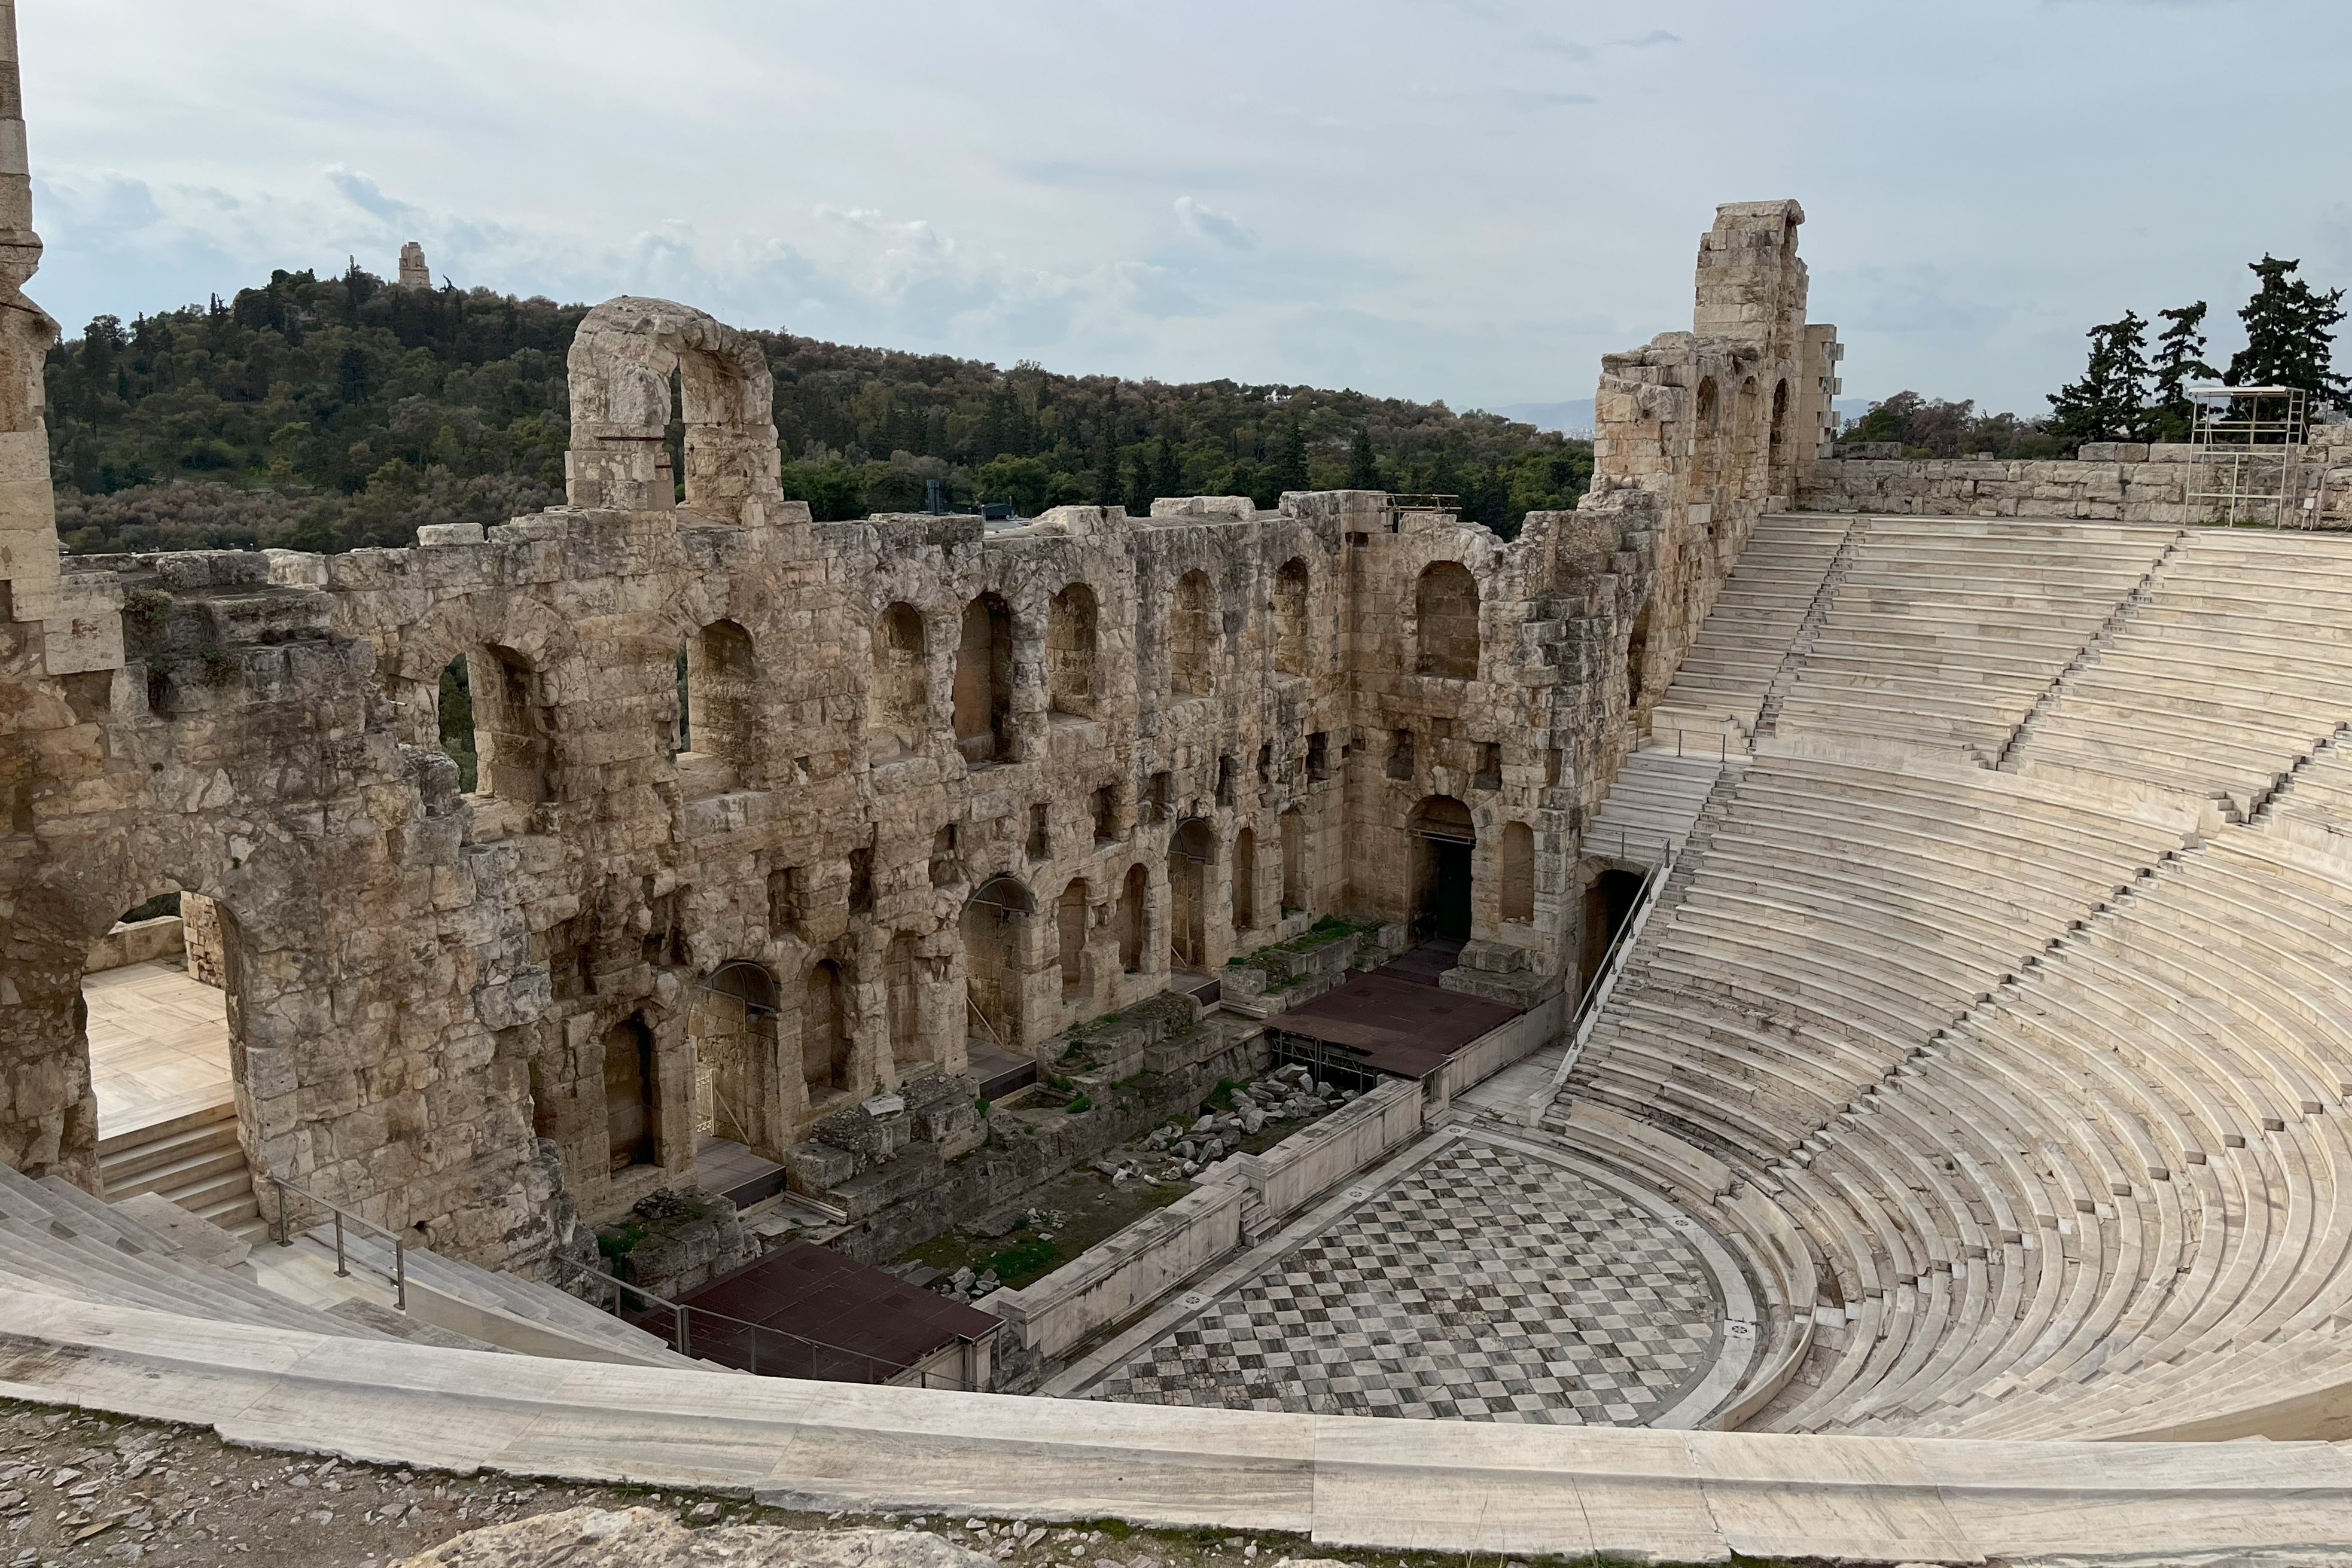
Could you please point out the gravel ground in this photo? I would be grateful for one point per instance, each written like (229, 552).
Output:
(79, 1488)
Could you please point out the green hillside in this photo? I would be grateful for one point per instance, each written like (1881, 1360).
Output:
(324, 414)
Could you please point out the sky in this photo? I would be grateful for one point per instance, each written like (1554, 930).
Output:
(1470, 200)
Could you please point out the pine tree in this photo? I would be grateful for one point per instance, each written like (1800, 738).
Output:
(1290, 464)
(2110, 402)
(1167, 467)
(2179, 358)
(2289, 335)
(1363, 464)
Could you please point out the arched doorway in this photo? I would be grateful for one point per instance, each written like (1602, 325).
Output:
(1637, 656)
(1070, 637)
(1192, 852)
(1294, 861)
(1443, 840)
(1244, 880)
(1132, 893)
(158, 1003)
(995, 922)
(733, 1023)
(1070, 938)
(631, 1123)
(902, 986)
(824, 1034)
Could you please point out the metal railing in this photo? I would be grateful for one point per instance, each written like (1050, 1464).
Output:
(285, 1236)
(697, 1332)
(1612, 964)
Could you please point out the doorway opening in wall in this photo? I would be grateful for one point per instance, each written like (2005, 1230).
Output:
(1608, 903)
(1192, 852)
(824, 1035)
(995, 929)
(632, 1125)
(158, 992)
(739, 1128)
(1443, 840)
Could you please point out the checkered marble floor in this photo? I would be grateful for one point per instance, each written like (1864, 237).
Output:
(1484, 1283)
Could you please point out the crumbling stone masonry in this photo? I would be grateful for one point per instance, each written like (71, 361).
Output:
(923, 788)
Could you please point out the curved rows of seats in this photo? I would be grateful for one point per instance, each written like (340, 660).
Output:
(1840, 916)
(1946, 633)
(2238, 663)
(2056, 1096)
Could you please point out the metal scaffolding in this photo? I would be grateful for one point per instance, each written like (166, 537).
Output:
(2248, 449)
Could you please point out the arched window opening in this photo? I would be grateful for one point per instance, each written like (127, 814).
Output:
(994, 921)
(457, 722)
(733, 1023)
(1444, 840)
(824, 1033)
(1070, 938)
(1070, 646)
(1191, 852)
(983, 683)
(1294, 861)
(1518, 872)
(1131, 896)
(897, 701)
(1192, 637)
(1244, 880)
(1704, 421)
(631, 1093)
(1445, 615)
(1747, 428)
(718, 697)
(1776, 450)
(1637, 658)
(903, 1000)
(511, 726)
(1290, 618)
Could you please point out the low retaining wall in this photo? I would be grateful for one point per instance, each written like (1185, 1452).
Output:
(2120, 483)
(1126, 1273)
(136, 942)
(2116, 481)
(1494, 1050)
(1318, 1157)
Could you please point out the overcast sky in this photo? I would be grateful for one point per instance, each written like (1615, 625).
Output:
(1469, 200)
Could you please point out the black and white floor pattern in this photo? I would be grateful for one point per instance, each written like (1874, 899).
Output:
(1484, 1283)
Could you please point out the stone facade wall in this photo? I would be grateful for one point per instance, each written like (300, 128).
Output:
(932, 783)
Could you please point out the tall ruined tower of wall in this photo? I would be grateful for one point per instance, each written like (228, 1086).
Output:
(57, 640)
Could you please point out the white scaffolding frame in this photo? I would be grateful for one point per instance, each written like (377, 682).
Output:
(2247, 453)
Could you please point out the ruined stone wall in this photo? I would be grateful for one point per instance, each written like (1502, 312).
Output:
(931, 787)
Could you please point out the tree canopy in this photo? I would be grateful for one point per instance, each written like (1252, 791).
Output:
(327, 414)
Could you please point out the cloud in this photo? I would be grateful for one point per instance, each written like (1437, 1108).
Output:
(1207, 222)
(363, 193)
(1648, 40)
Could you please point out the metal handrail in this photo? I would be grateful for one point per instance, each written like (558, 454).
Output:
(342, 1264)
(682, 1334)
(1612, 962)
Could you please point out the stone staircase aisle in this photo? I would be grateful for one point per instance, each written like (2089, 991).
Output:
(194, 1160)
